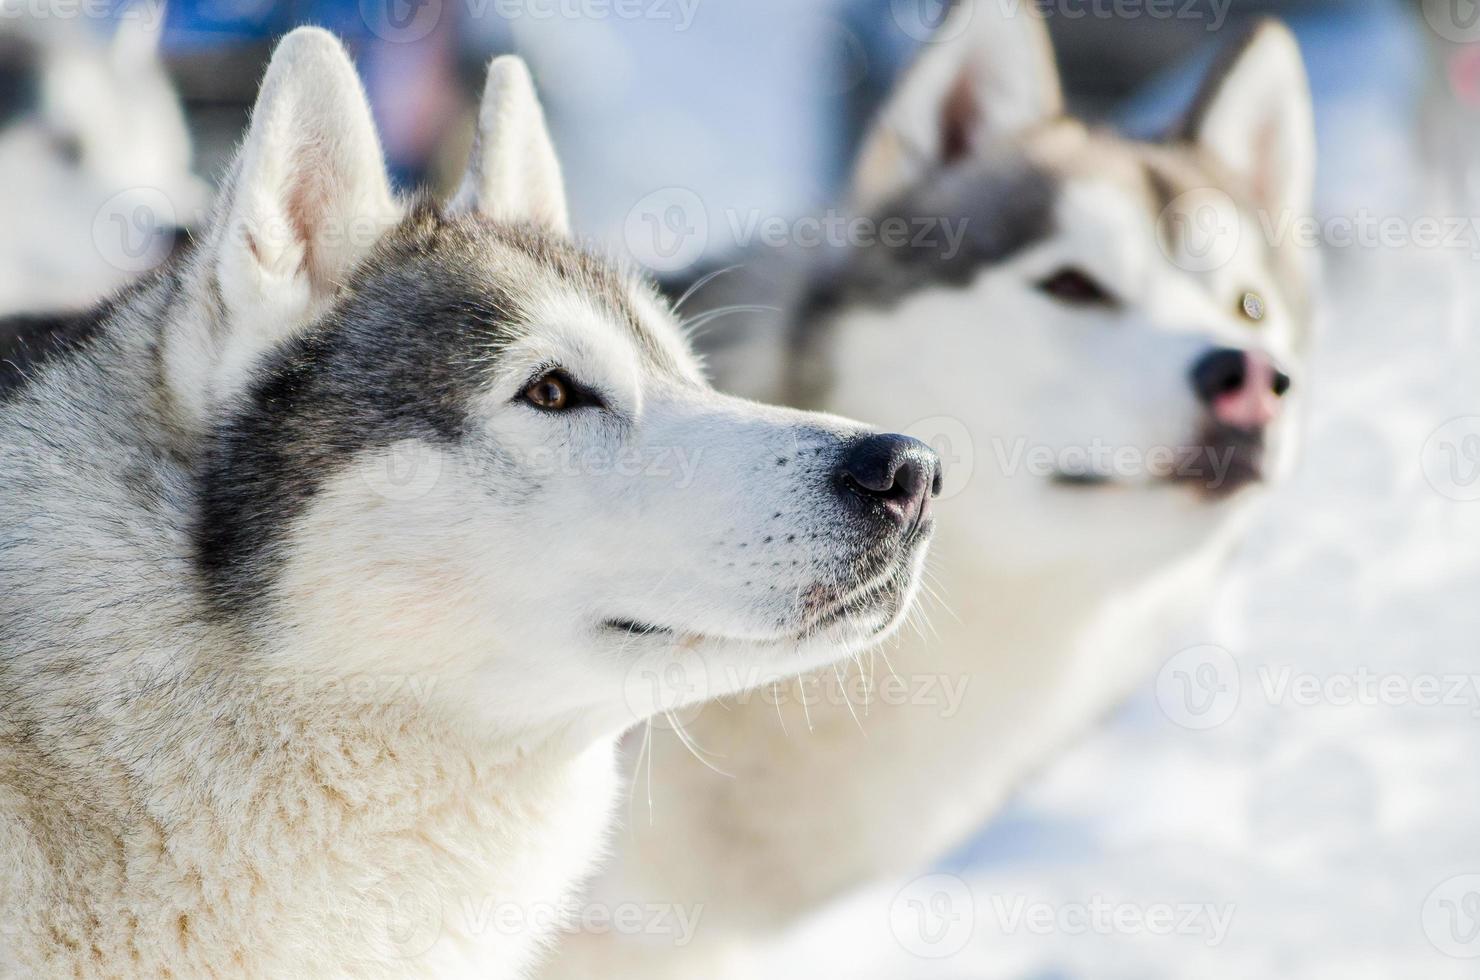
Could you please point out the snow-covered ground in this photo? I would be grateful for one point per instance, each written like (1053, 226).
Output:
(1307, 805)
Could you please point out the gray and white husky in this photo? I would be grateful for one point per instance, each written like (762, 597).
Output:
(334, 557)
(95, 157)
(1109, 355)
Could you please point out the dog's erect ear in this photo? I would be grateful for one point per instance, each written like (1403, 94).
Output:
(1254, 117)
(989, 72)
(513, 174)
(307, 199)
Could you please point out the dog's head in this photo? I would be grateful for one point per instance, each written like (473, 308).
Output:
(1112, 322)
(82, 123)
(449, 442)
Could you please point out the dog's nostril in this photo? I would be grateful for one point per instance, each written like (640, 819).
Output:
(910, 481)
(1241, 389)
(1226, 371)
(899, 472)
(1218, 373)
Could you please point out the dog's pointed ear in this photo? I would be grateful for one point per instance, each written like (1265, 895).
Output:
(987, 73)
(513, 174)
(1254, 117)
(307, 199)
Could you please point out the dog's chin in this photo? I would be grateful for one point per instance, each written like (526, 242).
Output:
(1223, 463)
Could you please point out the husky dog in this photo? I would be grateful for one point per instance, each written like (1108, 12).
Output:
(1082, 310)
(334, 558)
(94, 158)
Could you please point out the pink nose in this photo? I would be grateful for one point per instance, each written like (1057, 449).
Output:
(1241, 388)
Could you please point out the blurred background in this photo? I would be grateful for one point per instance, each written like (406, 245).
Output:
(1338, 832)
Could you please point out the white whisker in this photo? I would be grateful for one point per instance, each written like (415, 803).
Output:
(701, 283)
(694, 750)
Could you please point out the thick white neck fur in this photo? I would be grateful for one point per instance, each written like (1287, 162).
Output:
(295, 824)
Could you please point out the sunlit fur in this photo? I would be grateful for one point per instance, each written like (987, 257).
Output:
(312, 658)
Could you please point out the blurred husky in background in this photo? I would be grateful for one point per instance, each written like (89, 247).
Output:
(95, 158)
(1108, 362)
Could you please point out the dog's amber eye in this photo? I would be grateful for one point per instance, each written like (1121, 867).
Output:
(1251, 307)
(550, 393)
(1076, 287)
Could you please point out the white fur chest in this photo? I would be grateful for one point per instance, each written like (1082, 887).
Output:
(480, 886)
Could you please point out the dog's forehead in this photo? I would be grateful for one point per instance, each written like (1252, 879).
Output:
(1185, 197)
(1150, 179)
(503, 282)
(985, 212)
(941, 232)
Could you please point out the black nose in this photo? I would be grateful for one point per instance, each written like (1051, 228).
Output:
(896, 472)
(1225, 371)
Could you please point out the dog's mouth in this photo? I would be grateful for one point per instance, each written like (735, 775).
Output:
(1083, 480)
(636, 629)
(1224, 461)
(870, 604)
(1228, 460)
(867, 605)
(633, 627)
